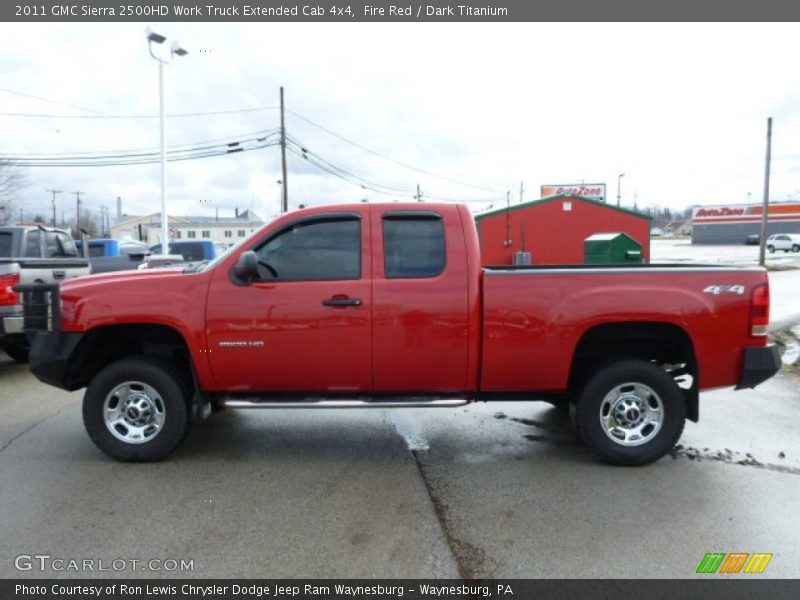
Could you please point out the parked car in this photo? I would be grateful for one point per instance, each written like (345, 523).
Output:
(193, 250)
(28, 255)
(784, 241)
(753, 239)
(386, 305)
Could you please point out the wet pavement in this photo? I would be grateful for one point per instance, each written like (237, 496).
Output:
(485, 490)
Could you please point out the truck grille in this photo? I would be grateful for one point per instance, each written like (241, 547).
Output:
(41, 306)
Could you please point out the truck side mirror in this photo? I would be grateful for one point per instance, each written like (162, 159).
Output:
(246, 268)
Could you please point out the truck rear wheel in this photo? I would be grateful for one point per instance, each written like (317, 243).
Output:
(135, 409)
(631, 412)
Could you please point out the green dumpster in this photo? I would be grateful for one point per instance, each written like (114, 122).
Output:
(611, 248)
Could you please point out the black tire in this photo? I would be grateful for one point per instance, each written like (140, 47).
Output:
(17, 349)
(630, 380)
(771, 248)
(796, 248)
(169, 400)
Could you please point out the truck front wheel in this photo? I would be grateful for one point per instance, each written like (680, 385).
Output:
(135, 409)
(631, 412)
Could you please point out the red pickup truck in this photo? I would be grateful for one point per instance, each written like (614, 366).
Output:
(386, 305)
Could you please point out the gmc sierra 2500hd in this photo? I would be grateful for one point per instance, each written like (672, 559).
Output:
(386, 305)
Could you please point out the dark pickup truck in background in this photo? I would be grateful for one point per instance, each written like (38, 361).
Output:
(31, 255)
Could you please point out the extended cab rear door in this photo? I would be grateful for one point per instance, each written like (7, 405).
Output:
(420, 300)
(305, 324)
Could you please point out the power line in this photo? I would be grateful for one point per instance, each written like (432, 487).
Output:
(144, 160)
(298, 149)
(111, 116)
(321, 166)
(75, 106)
(181, 152)
(305, 151)
(252, 136)
(387, 158)
(101, 114)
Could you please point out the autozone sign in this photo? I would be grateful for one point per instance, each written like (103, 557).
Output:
(595, 191)
(723, 211)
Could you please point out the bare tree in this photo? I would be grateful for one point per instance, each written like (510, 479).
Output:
(12, 180)
(89, 223)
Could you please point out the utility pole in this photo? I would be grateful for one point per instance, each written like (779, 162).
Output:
(21, 216)
(77, 213)
(418, 197)
(54, 192)
(521, 191)
(508, 219)
(285, 190)
(765, 206)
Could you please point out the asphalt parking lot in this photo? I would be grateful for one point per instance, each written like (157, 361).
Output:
(487, 490)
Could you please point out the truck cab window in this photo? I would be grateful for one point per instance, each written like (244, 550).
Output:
(66, 246)
(318, 250)
(414, 245)
(5, 245)
(32, 249)
(52, 248)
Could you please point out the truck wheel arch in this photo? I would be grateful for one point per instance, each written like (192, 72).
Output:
(659, 342)
(101, 346)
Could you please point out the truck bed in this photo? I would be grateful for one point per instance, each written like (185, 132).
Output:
(535, 318)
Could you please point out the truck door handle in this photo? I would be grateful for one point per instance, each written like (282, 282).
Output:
(341, 301)
(58, 274)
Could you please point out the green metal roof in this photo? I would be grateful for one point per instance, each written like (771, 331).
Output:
(499, 211)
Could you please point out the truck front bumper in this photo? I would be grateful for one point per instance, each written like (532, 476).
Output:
(759, 365)
(50, 356)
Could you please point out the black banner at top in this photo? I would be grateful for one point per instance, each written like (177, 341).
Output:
(355, 11)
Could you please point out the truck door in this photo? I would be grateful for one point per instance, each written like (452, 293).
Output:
(420, 311)
(305, 324)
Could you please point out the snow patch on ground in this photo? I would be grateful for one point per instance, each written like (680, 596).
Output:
(409, 429)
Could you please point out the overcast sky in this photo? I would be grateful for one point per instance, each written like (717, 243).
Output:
(680, 109)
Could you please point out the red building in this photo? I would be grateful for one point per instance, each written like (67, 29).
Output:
(553, 229)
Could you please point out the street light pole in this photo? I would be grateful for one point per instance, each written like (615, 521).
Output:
(175, 50)
(619, 187)
(162, 141)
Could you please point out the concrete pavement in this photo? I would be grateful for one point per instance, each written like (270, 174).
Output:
(487, 490)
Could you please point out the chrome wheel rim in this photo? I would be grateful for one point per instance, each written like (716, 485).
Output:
(134, 412)
(631, 414)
